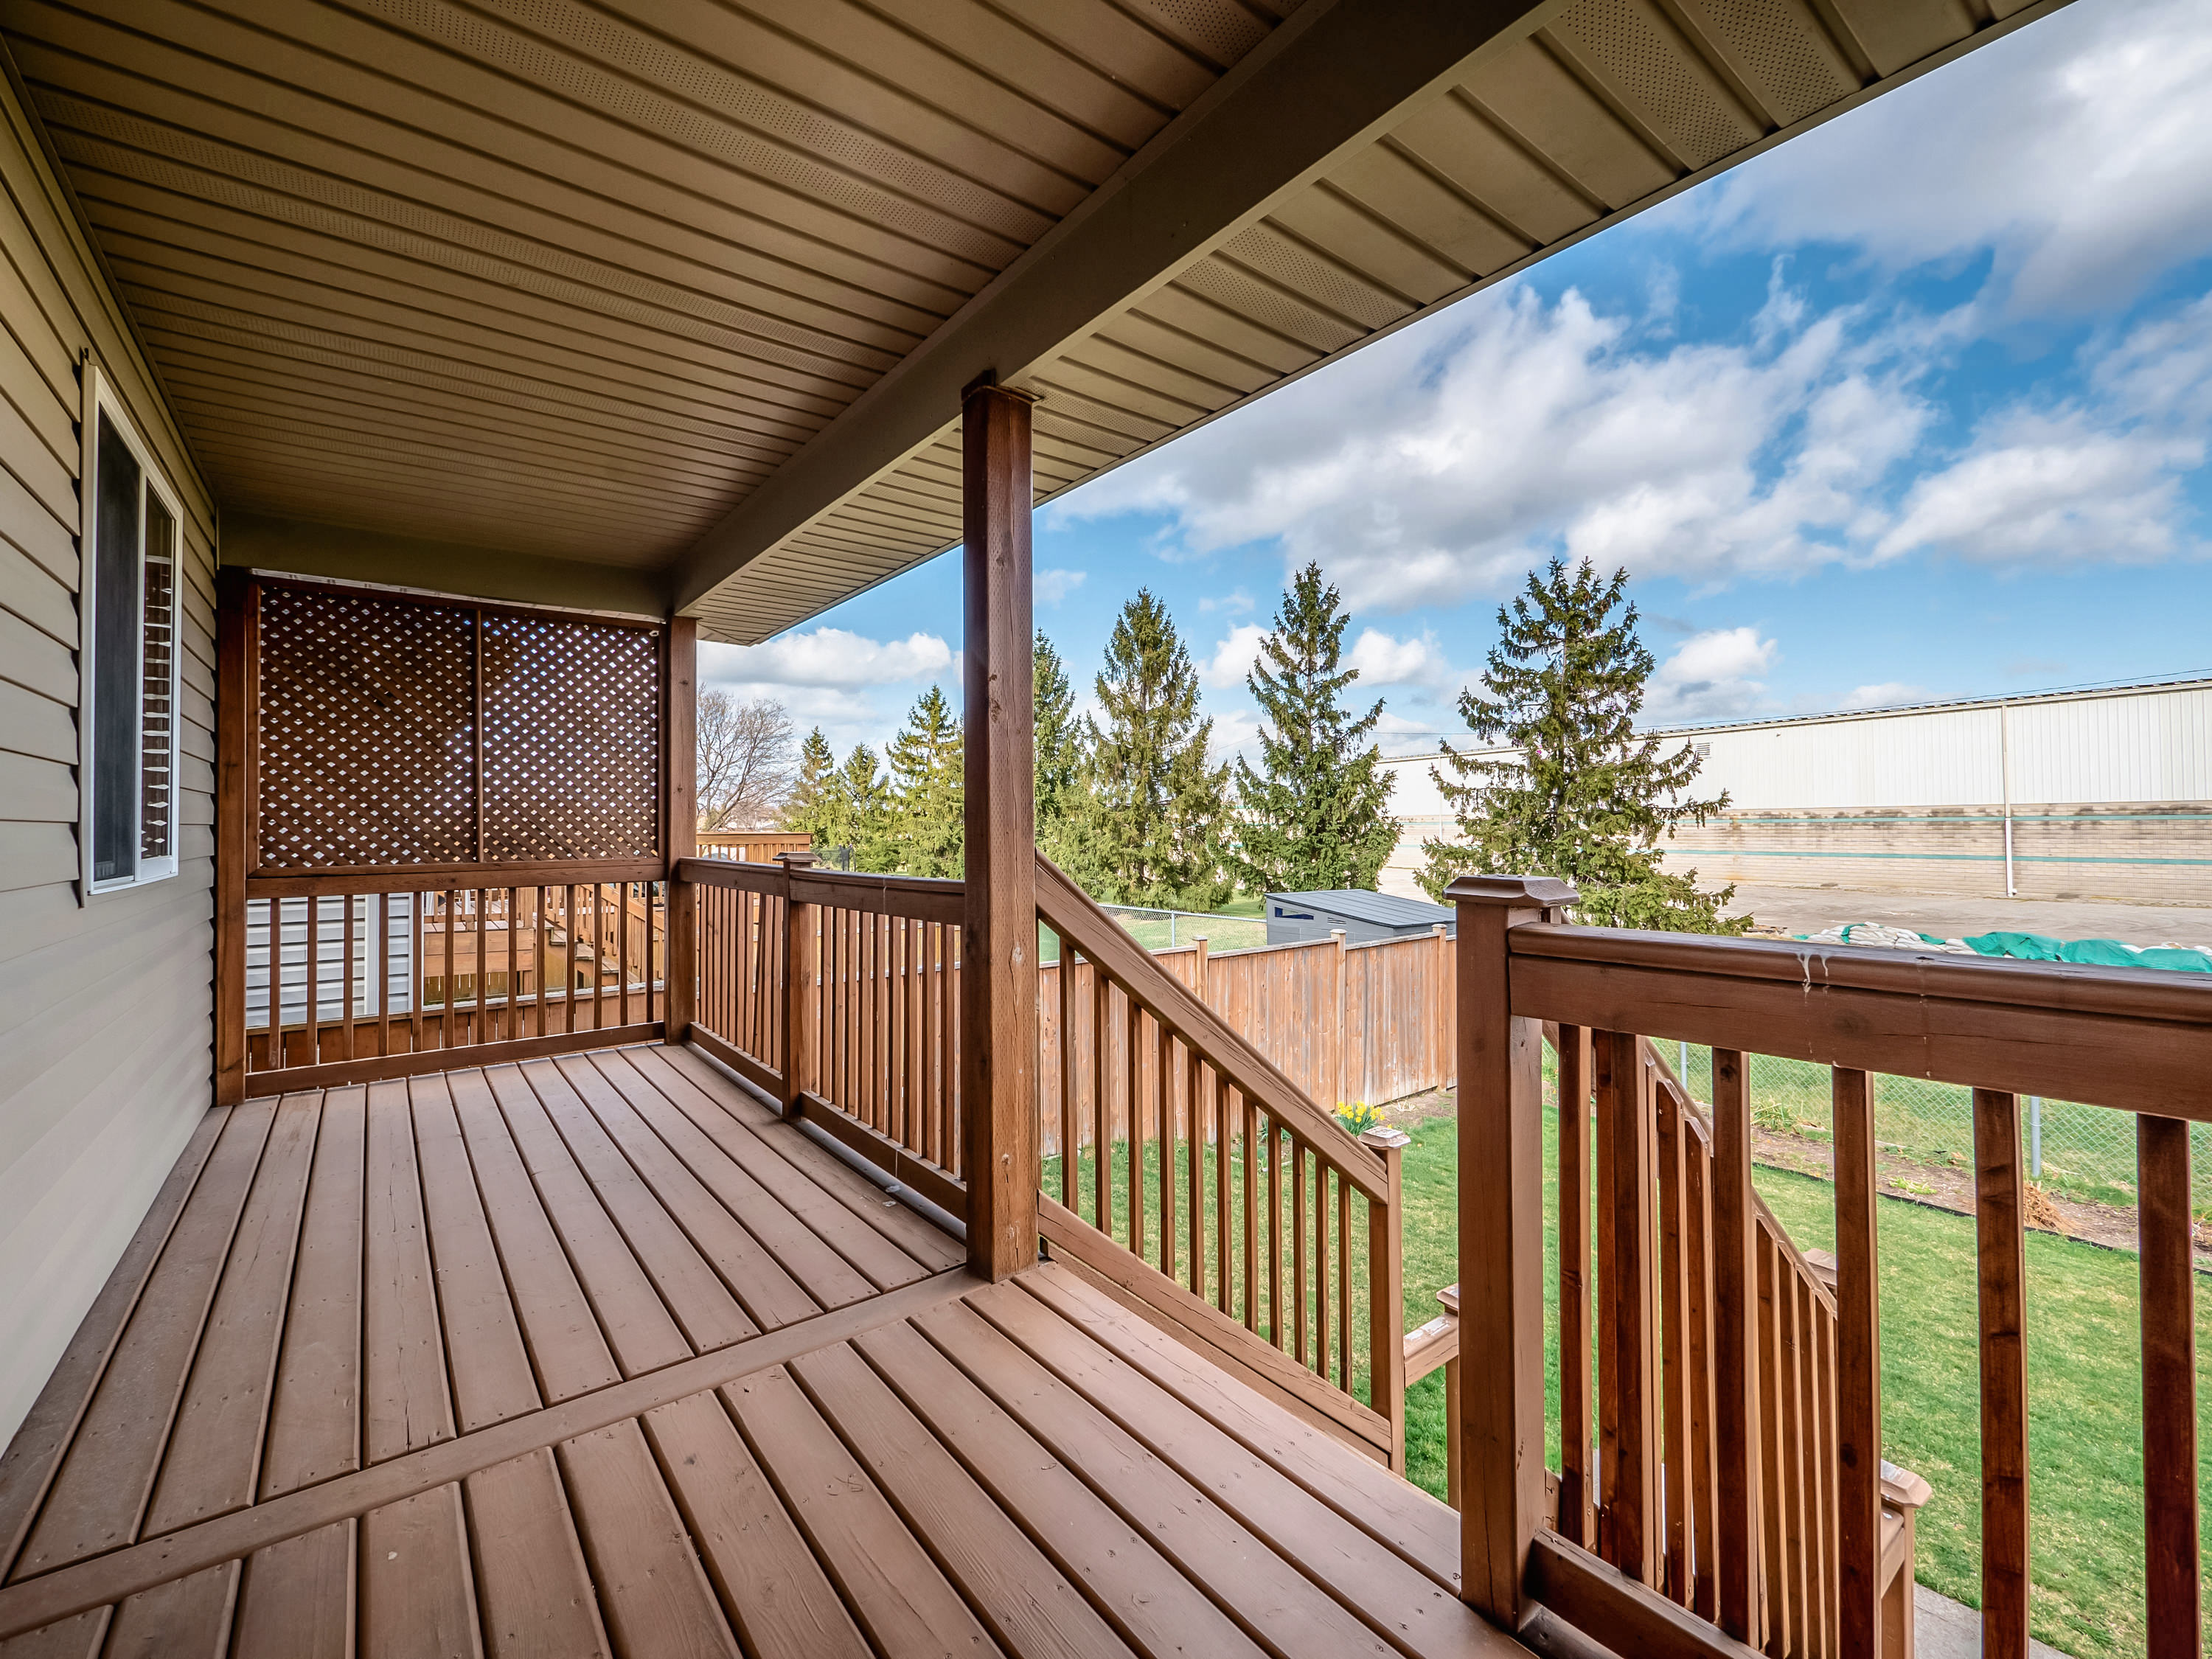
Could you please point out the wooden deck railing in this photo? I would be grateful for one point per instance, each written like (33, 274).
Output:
(1736, 1495)
(353, 978)
(1222, 1195)
(857, 977)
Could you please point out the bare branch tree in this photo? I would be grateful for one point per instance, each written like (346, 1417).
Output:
(745, 761)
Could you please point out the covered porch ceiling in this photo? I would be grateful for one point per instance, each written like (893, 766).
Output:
(667, 304)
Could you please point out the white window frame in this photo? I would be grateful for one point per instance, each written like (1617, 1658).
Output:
(100, 399)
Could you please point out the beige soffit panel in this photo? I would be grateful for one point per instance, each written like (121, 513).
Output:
(1541, 138)
(566, 280)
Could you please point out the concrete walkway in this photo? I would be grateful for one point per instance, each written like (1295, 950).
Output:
(1943, 1629)
(1811, 910)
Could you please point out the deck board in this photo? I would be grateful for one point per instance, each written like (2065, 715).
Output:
(598, 1356)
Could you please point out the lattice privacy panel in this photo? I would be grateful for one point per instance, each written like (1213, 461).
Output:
(572, 739)
(370, 754)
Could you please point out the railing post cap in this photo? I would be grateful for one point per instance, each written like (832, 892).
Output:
(799, 860)
(1385, 1138)
(1538, 892)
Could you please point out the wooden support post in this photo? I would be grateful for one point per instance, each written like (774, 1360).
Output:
(998, 1018)
(1999, 1206)
(802, 990)
(1501, 1245)
(1858, 1369)
(679, 729)
(1735, 1366)
(1386, 1290)
(237, 653)
(2167, 1294)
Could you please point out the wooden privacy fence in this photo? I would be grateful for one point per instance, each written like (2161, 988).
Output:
(1345, 1022)
(1734, 1483)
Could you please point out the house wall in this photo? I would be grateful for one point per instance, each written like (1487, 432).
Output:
(106, 1008)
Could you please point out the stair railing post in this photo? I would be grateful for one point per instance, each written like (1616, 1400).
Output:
(802, 986)
(1501, 1243)
(1386, 1289)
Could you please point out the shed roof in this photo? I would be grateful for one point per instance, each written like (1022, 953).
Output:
(655, 302)
(1380, 909)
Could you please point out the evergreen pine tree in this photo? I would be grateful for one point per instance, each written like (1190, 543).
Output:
(809, 801)
(1154, 827)
(927, 789)
(1585, 800)
(1058, 754)
(857, 819)
(1317, 815)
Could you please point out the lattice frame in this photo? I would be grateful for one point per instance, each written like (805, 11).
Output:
(397, 733)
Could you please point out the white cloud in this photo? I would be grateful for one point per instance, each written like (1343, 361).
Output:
(1713, 676)
(1887, 694)
(1232, 659)
(1235, 731)
(1382, 659)
(2035, 489)
(1237, 603)
(1432, 467)
(826, 657)
(2076, 149)
(1051, 586)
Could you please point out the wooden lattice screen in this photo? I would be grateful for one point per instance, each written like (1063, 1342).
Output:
(397, 733)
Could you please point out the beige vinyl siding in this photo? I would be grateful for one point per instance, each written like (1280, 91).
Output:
(106, 1022)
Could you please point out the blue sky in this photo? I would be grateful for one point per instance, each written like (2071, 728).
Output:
(1917, 406)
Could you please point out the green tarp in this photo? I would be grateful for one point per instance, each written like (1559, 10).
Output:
(2096, 952)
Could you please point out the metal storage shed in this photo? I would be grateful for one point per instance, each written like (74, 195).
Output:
(1362, 914)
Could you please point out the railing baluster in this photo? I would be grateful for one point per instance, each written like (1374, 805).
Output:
(383, 972)
(1797, 1453)
(1164, 1073)
(1674, 1298)
(1216, 1106)
(314, 1033)
(2167, 1290)
(1194, 1176)
(1248, 1176)
(1344, 1284)
(1276, 1334)
(1704, 1497)
(1321, 1262)
(1298, 1310)
(1626, 1431)
(1102, 1183)
(1577, 1486)
(1131, 1047)
(345, 976)
(1735, 1374)
(1070, 1149)
(1858, 1371)
(1779, 1610)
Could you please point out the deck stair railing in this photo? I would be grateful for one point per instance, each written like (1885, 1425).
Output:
(1734, 1494)
(1196, 1178)
(1204, 1187)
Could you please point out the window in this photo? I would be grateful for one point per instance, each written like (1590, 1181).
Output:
(128, 615)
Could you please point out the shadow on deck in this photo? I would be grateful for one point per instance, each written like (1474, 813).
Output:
(598, 1355)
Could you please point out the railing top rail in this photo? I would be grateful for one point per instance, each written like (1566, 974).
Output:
(2149, 994)
(1070, 913)
(456, 878)
(2131, 1039)
(919, 897)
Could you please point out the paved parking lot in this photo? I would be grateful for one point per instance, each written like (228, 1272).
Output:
(1811, 910)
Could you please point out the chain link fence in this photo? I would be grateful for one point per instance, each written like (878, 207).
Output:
(2073, 1150)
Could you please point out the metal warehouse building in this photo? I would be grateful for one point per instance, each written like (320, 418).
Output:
(2069, 795)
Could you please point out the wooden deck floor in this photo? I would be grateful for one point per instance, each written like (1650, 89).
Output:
(596, 1355)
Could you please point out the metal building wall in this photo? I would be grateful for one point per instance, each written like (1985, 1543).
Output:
(2087, 795)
